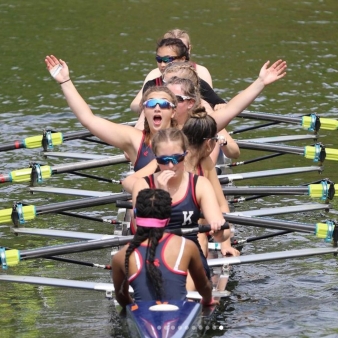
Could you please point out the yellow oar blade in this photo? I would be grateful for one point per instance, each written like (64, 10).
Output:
(325, 230)
(54, 139)
(331, 154)
(320, 153)
(24, 175)
(9, 258)
(28, 212)
(323, 190)
(328, 124)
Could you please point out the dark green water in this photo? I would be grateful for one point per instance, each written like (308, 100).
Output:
(109, 47)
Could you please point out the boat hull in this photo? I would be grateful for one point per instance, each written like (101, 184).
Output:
(174, 319)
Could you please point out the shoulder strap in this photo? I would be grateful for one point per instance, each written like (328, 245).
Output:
(179, 257)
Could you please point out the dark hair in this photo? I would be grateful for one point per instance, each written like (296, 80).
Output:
(152, 203)
(200, 125)
(169, 134)
(156, 89)
(176, 45)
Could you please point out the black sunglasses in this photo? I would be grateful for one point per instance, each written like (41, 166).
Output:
(166, 59)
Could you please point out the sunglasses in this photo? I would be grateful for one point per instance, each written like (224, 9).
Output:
(216, 138)
(166, 59)
(222, 140)
(182, 98)
(174, 159)
(164, 104)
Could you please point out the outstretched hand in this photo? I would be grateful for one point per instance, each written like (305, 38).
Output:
(273, 73)
(57, 68)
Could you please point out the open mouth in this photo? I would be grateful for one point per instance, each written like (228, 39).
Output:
(157, 120)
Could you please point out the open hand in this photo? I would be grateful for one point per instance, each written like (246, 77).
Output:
(57, 68)
(273, 73)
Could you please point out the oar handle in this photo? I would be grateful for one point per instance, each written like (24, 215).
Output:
(124, 204)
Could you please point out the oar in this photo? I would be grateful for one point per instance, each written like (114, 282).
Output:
(69, 191)
(225, 179)
(90, 218)
(13, 257)
(311, 122)
(19, 214)
(75, 261)
(50, 138)
(38, 173)
(261, 211)
(270, 256)
(326, 190)
(275, 139)
(74, 156)
(108, 288)
(240, 242)
(317, 153)
(242, 130)
(260, 158)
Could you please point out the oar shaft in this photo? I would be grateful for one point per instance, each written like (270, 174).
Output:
(74, 247)
(80, 203)
(62, 168)
(268, 190)
(271, 147)
(12, 145)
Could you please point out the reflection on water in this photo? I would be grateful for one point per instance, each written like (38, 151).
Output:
(109, 47)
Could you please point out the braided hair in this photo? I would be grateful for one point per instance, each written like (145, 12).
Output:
(150, 203)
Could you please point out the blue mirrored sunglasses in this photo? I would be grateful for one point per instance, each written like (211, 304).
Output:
(165, 59)
(174, 159)
(164, 104)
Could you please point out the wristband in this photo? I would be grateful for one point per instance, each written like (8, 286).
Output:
(208, 304)
(222, 140)
(60, 83)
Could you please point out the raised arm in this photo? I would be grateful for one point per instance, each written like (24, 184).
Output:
(241, 101)
(124, 137)
(228, 145)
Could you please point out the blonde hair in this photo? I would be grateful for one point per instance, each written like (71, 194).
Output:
(169, 135)
(179, 34)
(186, 70)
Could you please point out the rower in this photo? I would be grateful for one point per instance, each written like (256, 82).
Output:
(154, 263)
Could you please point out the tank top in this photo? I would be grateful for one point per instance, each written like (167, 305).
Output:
(174, 280)
(144, 155)
(186, 212)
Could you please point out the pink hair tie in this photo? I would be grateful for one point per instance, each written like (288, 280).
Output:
(151, 222)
